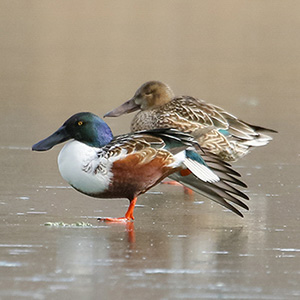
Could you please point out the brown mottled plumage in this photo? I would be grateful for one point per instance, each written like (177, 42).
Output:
(215, 129)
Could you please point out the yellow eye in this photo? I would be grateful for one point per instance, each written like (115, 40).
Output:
(80, 123)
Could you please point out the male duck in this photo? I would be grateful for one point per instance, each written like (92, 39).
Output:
(99, 165)
(215, 129)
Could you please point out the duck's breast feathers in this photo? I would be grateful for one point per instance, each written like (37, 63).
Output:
(126, 167)
(80, 165)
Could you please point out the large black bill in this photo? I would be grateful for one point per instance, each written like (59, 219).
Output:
(57, 137)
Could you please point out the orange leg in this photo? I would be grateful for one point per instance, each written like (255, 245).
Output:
(188, 191)
(128, 216)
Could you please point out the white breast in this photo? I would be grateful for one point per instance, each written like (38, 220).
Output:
(77, 163)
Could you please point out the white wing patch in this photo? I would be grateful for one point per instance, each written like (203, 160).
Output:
(201, 171)
(178, 159)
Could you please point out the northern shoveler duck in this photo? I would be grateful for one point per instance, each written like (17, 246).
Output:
(99, 165)
(215, 129)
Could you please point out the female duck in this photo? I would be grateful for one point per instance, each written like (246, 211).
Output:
(215, 129)
(99, 165)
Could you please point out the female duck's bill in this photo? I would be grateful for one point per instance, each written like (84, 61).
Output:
(126, 108)
(215, 129)
(99, 165)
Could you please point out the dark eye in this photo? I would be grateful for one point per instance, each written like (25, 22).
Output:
(148, 93)
(79, 123)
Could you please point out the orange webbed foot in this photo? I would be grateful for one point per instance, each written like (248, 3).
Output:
(115, 220)
(128, 216)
